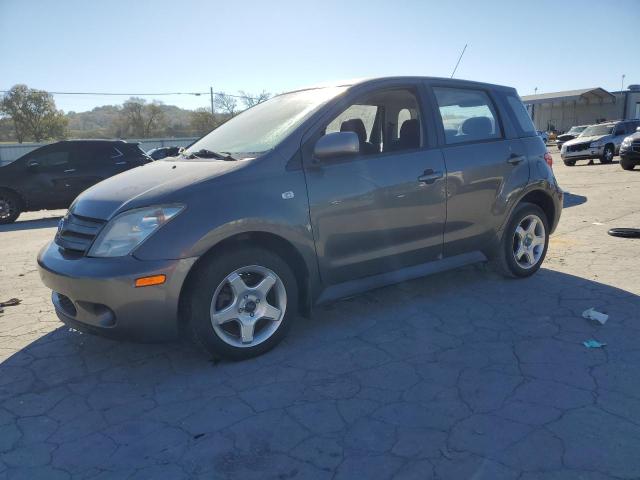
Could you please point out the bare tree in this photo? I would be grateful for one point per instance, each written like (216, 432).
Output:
(139, 119)
(249, 99)
(226, 103)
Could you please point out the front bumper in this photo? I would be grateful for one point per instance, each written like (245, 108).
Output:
(631, 153)
(591, 152)
(98, 295)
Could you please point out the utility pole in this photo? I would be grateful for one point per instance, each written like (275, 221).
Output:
(211, 92)
(622, 83)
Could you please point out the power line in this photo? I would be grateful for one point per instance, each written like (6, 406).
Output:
(197, 94)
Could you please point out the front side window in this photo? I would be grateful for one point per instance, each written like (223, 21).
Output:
(262, 127)
(384, 121)
(467, 115)
(52, 160)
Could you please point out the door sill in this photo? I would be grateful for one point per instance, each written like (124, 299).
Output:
(352, 287)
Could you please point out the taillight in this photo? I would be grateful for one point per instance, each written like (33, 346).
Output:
(549, 159)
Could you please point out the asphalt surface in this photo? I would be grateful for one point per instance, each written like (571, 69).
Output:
(455, 376)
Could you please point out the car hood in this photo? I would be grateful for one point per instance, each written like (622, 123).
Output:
(152, 184)
(566, 136)
(590, 139)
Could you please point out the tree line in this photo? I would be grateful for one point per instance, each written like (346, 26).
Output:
(28, 114)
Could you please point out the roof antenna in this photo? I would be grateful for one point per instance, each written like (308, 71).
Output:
(459, 58)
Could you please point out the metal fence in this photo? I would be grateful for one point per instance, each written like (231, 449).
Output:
(12, 151)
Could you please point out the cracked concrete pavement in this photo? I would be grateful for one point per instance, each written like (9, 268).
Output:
(459, 375)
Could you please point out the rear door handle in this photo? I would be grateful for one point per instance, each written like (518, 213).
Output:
(70, 170)
(121, 163)
(429, 176)
(515, 159)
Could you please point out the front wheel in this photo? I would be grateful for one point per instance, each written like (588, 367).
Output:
(627, 164)
(10, 207)
(241, 304)
(607, 154)
(524, 242)
(569, 163)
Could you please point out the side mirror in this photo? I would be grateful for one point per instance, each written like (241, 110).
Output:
(33, 167)
(338, 144)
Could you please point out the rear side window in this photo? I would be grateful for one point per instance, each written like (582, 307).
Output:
(521, 114)
(467, 115)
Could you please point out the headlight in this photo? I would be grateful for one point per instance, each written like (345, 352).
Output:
(129, 229)
(626, 142)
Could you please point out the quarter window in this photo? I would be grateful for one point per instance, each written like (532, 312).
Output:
(467, 115)
(521, 114)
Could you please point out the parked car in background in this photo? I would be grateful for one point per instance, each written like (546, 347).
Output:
(52, 176)
(299, 200)
(163, 152)
(630, 151)
(543, 135)
(570, 135)
(601, 141)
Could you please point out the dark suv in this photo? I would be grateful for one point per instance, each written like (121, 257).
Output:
(53, 175)
(310, 196)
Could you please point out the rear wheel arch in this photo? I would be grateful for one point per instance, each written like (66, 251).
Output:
(544, 201)
(13, 191)
(270, 241)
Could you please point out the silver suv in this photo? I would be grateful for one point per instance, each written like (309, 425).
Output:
(600, 141)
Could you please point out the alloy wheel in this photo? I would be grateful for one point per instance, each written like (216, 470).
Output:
(6, 208)
(529, 241)
(248, 306)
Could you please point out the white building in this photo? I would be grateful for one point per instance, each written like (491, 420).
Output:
(562, 110)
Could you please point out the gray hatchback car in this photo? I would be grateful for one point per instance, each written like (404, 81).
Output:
(313, 195)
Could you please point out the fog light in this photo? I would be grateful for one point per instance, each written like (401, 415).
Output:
(149, 281)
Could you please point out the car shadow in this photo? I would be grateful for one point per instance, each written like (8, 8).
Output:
(387, 350)
(571, 200)
(48, 222)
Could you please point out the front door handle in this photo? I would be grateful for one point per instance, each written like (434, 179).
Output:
(429, 176)
(70, 170)
(515, 159)
(121, 163)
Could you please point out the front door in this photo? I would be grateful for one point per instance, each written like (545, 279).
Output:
(50, 177)
(383, 209)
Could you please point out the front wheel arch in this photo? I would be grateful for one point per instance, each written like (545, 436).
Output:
(272, 242)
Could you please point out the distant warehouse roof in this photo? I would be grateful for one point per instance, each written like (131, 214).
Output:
(588, 94)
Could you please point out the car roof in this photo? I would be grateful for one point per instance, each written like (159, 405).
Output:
(372, 81)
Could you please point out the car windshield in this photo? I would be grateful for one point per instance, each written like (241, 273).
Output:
(595, 130)
(576, 130)
(261, 128)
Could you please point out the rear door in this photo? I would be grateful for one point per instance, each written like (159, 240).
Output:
(485, 163)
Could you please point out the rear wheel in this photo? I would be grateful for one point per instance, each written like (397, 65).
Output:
(607, 154)
(10, 206)
(241, 304)
(627, 164)
(524, 242)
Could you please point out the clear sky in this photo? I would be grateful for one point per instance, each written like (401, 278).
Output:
(189, 45)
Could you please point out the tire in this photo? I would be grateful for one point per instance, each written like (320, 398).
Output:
(625, 232)
(216, 325)
(627, 164)
(505, 261)
(569, 163)
(607, 154)
(559, 147)
(10, 206)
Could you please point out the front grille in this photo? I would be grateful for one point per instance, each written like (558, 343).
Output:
(77, 233)
(578, 147)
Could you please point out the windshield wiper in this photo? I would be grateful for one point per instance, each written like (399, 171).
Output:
(204, 153)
